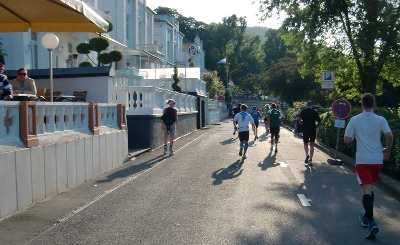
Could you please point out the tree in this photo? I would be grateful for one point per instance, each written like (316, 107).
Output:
(175, 85)
(2, 53)
(187, 25)
(99, 44)
(368, 30)
(283, 79)
(214, 86)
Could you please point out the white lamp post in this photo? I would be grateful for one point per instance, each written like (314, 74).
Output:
(50, 42)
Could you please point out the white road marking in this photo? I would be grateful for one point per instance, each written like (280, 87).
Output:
(304, 201)
(283, 165)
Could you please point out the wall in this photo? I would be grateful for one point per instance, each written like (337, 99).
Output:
(144, 131)
(28, 175)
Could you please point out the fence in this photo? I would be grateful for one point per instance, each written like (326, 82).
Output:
(26, 121)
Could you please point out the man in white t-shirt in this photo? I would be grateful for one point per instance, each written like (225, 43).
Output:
(367, 129)
(241, 123)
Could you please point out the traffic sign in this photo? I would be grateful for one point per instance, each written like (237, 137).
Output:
(193, 50)
(341, 108)
(328, 80)
(327, 76)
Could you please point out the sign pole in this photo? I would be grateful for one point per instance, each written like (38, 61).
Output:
(341, 109)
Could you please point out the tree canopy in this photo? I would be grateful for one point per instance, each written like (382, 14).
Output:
(366, 30)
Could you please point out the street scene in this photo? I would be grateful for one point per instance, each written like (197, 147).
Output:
(206, 194)
(185, 122)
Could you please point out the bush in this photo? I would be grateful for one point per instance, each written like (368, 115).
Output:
(327, 134)
(85, 64)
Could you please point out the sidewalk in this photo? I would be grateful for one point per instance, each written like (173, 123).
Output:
(387, 183)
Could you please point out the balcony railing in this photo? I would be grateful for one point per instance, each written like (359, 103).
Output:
(26, 121)
(149, 100)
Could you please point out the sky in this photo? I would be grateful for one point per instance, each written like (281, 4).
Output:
(209, 11)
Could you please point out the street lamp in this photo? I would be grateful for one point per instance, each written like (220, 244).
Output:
(50, 42)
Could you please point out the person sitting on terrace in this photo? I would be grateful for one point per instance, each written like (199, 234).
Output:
(23, 84)
(5, 87)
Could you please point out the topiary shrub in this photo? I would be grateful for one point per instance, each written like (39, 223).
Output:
(85, 64)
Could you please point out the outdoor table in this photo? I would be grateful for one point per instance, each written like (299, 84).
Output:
(23, 97)
(64, 97)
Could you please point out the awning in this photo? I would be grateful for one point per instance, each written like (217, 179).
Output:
(49, 16)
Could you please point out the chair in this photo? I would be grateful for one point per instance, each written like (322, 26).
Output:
(79, 96)
(56, 94)
(41, 94)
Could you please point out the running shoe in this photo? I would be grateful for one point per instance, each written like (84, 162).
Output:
(240, 151)
(364, 221)
(272, 148)
(171, 152)
(165, 150)
(310, 162)
(276, 150)
(372, 230)
(307, 157)
(244, 157)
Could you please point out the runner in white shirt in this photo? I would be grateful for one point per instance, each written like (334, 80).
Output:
(241, 124)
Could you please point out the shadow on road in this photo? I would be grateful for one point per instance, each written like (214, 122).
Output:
(268, 162)
(131, 170)
(231, 172)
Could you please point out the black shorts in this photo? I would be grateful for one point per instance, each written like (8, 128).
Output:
(309, 136)
(256, 123)
(244, 136)
(274, 132)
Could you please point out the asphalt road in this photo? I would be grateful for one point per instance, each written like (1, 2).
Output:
(204, 194)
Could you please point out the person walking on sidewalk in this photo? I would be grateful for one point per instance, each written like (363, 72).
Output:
(241, 123)
(256, 117)
(275, 117)
(234, 112)
(367, 129)
(309, 120)
(168, 125)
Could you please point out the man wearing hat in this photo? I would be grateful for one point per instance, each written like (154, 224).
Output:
(309, 119)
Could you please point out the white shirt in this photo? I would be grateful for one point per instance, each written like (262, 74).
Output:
(367, 129)
(243, 119)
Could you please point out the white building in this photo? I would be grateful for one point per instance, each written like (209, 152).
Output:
(146, 40)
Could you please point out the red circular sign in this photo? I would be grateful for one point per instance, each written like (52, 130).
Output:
(341, 108)
(221, 98)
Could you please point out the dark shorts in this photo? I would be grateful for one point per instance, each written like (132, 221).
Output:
(244, 136)
(274, 132)
(256, 123)
(309, 136)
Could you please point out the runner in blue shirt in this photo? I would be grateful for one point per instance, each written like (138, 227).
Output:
(256, 116)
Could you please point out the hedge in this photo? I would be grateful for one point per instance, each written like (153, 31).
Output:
(327, 134)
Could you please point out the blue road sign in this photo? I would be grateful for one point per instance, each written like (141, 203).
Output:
(327, 76)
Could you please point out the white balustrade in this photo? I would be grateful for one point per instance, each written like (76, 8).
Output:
(9, 123)
(53, 117)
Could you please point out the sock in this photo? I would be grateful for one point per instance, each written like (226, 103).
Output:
(245, 147)
(241, 144)
(368, 206)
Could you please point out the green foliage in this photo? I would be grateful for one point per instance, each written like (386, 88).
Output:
(83, 48)
(105, 58)
(98, 44)
(366, 31)
(116, 55)
(214, 86)
(2, 53)
(110, 26)
(175, 85)
(85, 64)
(327, 134)
(228, 97)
